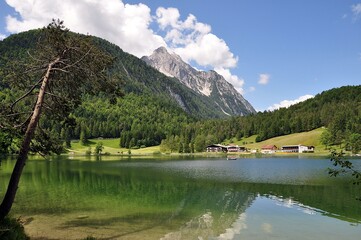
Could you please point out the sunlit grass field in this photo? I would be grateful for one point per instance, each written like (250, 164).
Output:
(111, 146)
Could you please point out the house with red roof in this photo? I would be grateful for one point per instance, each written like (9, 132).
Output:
(267, 149)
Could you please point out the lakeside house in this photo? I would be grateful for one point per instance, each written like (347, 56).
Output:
(297, 149)
(225, 148)
(216, 148)
(268, 149)
(235, 148)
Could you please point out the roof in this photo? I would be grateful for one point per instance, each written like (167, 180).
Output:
(216, 145)
(299, 145)
(269, 147)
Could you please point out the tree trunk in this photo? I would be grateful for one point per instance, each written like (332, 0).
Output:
(24, 150)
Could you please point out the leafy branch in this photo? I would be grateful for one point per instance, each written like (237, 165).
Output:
(344, 167)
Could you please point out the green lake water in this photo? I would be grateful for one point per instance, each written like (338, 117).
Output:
(210, 198)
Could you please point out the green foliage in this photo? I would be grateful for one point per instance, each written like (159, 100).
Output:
(353, 142)
(11, 229)
(344, 167)
(75, 66)
(137, 121)
(5, 142)
(326, 138)
(89, 151)
(200, 143)
(83, 138)
(99, 148)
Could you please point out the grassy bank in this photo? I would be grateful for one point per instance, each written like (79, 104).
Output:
(111, 146)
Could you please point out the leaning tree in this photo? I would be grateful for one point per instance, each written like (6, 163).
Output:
(49, 82)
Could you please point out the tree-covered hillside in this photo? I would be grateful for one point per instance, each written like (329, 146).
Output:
(339, 110)
(138, 77)
(153, 107)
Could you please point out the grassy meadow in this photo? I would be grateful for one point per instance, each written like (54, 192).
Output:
(111, 146)
(311, 138)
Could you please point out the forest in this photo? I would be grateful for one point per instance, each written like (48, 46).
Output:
(148, 115)
(338, 109)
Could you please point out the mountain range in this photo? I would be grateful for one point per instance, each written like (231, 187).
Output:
(200, 94)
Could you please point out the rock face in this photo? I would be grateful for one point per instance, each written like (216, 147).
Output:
(221, 93)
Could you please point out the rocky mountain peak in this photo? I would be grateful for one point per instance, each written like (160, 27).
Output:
(161, 50)
(208, 83)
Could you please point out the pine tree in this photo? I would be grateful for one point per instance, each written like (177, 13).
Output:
(63, 67)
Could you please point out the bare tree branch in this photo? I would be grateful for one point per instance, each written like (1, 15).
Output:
(32, 57)
(59, 69)
(25, 95)
(53, 95)
(80, 60)
(27, 120)
(15, 114)
(35, 69)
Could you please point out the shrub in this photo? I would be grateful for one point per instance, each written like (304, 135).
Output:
(11, 229)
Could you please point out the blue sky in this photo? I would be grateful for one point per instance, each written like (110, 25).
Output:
(274, 52)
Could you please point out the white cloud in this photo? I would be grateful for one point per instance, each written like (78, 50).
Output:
(128, 26)
(235, 229)
(264, 79)
(2, 36)
(356, 10)
(193, 40)
(208, 50)
(252, 89)
(287, 103)
(267, 228)
(233, 79)
(123, 24)
(167, 17)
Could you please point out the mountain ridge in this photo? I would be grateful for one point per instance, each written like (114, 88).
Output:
(220, 93)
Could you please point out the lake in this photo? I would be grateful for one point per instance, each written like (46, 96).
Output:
(194, 198)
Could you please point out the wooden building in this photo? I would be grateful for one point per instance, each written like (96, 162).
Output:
(269, 149)
(216, 148)
(222, 148)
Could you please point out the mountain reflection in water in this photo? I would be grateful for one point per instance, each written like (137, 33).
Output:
(185, 199)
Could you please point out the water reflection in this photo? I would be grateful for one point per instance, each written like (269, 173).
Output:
(198, 199)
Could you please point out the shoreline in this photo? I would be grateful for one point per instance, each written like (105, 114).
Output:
(151, 155)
